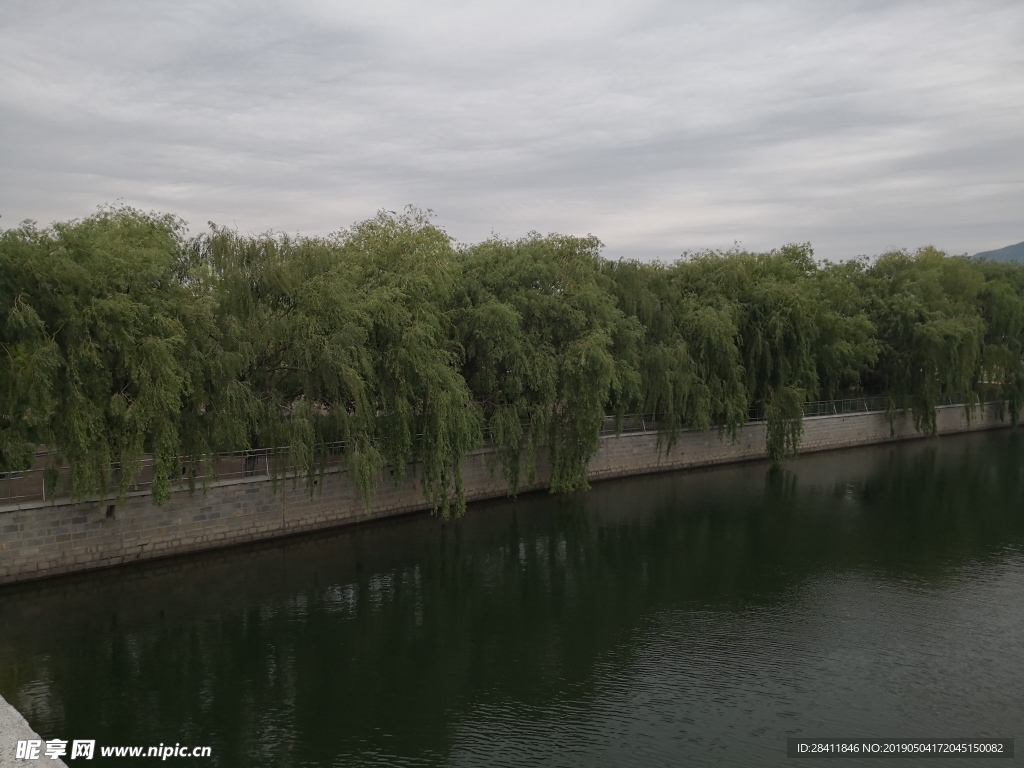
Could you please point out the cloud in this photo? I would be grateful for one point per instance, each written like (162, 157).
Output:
(857, 126)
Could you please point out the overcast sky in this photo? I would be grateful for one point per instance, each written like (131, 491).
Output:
(659, 127)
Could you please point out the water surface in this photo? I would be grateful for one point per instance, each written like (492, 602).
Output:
(691, 618)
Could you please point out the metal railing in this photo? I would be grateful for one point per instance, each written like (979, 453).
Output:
(29, 487)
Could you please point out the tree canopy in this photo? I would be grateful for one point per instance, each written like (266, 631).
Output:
(121, 336)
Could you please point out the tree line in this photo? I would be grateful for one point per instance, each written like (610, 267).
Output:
(122, 336)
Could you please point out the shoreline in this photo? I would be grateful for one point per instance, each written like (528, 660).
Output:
(45, 539)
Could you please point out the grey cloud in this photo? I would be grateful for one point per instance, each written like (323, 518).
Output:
(858, 126)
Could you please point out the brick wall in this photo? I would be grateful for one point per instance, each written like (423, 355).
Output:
(46, 539)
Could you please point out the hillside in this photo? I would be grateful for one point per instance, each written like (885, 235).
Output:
(1009, 253)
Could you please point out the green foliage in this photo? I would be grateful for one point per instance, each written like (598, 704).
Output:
(1001, 305)
(547, 353)
(120, 337)
(925, 308)
(93, 340)
(726, 332)
(406, 269)
(690, 363)
(846, 346)
(347, 339)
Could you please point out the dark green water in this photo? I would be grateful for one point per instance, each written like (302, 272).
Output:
(685, 619)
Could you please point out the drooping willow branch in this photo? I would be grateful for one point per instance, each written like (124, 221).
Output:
(122, 336)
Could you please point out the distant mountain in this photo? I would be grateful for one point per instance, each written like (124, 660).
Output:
(1009, 253)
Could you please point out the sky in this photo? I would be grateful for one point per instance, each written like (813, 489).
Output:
(660, 127)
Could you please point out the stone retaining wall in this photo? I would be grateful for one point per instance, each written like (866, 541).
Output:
(45, 539)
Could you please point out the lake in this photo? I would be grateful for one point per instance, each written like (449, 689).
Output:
(689, 618)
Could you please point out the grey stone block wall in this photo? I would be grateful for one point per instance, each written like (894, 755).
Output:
(46, 539)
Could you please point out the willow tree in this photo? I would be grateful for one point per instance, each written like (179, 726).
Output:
(691, 371)
(1001, 305)
(95, 361)
(343, 339)
(846, 347)
(547, 354)
(121, 337)
(772, 301)
(293, 363)
(925, 308)
(801, 332)
(409, 274)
